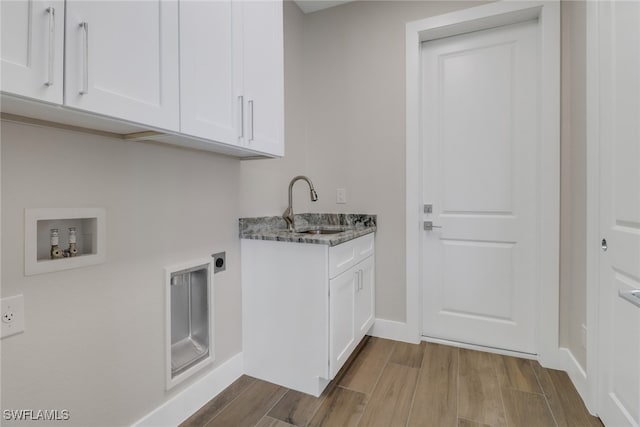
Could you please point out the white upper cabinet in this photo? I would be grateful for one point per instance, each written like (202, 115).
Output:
(263, 75)
(201, 74)
(32, 49)
(232, 73)
(122, 60)
(209, 106)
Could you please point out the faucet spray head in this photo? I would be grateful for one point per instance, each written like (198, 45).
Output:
(314, 195)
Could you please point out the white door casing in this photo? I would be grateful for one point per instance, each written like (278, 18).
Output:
(548, 33)
(617, 114)
(480, 170)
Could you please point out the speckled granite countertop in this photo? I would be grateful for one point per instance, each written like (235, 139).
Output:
(275, 228)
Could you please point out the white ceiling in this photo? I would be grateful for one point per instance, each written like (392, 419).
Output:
(309, 6)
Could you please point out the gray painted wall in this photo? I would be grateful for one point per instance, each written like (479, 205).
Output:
(94, 339)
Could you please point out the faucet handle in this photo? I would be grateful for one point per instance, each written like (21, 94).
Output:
(288, 217)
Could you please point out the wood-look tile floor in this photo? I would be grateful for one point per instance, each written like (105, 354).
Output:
(389, 383)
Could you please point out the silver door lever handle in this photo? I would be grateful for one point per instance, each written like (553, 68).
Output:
(428, 226)
(632, 296)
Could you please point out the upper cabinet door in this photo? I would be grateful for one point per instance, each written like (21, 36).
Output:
(122, 60)
(32, 49)
(209, 107)
(263, 69)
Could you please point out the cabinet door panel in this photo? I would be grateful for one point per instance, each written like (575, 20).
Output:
(32, 48)
(263, 68)
(208, 105)
(365, 297)
(342, 339)
(124, 62)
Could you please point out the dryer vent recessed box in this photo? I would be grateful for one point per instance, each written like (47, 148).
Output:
(189, 320)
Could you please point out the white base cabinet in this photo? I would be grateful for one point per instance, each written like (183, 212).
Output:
(305, 308)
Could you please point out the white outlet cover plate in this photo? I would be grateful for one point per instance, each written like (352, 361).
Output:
(13, 307)
(341, 195)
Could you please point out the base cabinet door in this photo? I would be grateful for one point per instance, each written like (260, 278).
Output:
(342, 331)
(32, 49)
(121, 60)
(365, 297)
(351, 311)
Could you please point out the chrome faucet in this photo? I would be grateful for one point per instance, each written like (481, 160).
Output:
(288, 214)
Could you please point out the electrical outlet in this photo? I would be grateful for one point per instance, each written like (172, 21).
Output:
(12, 315)
(219, 262)
(341, 196)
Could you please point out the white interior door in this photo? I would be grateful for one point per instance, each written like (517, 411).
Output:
(619, 139)
(480, 172)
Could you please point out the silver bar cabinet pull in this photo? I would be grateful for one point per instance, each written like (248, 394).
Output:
(85, 65)
(632, 296)
(52, 39)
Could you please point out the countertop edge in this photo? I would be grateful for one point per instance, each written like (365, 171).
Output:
(293, 237)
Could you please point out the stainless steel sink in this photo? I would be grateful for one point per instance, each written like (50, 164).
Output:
(322, 231)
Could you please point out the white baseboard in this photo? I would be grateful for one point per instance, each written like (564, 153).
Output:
(393, 330)
(188, 401)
